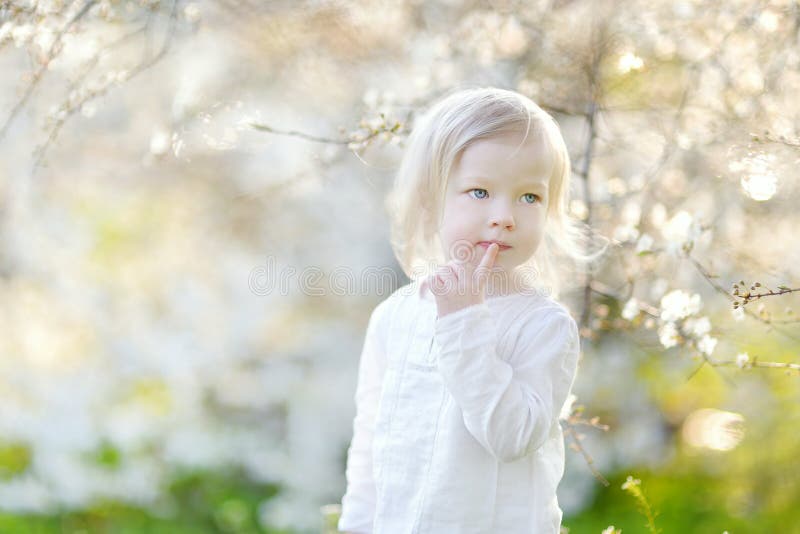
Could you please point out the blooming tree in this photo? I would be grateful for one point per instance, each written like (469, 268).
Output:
(173, 171)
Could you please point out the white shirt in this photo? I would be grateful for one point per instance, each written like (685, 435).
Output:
(456, 427)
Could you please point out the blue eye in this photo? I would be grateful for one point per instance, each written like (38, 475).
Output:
(535, 198)
(483, 191)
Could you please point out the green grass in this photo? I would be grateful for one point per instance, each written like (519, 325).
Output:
(688, 504)
(204, 503)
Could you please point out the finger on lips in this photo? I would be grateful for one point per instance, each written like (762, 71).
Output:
(489, 256)
(453, 271)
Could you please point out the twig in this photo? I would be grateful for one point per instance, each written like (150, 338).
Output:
(141, 67)
(37, 76)
(747, 296)
(591, 116)
(293, 133)
(355, 142)
(589, 461)
(757, 363)
(144, 65)
(710, 279)
(781, 139)
(633, 486)
(707, 360)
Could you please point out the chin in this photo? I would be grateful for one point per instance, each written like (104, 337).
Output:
(504, 266)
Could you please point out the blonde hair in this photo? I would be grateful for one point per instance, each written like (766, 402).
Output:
(454, 122)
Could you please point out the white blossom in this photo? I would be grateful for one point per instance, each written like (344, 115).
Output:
(192, 12)
(159, 142)
(742, 359)
(706, 344)
(5, 31)
(760, 187)
(769, 20)
(758, 179)
(48, 7)
(631, 213)
(631, 309)
(678, 304)
(658, 215)
(628, 62)
(668, 335)
(678, 229)
(44, 38)
(22, 34)
(644, 244)
(623, 233)
(697, 326)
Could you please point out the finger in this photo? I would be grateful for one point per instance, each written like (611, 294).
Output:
(435, 284)
(425, 282)
(439, 281)
(487, 262)
(450, 276)
(450, 271)
(454, 266)
(481, 274)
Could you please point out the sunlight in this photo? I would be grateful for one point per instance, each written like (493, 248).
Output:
(713, 429)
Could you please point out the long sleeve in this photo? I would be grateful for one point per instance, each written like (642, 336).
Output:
(358, 502)
(508, 406)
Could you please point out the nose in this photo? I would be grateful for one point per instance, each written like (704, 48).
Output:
(502, 218)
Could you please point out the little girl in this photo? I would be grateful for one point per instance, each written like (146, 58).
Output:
(465, 370)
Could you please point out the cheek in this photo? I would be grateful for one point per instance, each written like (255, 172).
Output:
(535, 232)
(539, 219)
(453, 217)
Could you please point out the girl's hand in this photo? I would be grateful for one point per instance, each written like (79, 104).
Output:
(460, 283)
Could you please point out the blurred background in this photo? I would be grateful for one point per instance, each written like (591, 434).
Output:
(193, 236)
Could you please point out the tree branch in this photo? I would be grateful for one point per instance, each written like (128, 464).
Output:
(578, 446)
(55, 49)
(710, 279)
(147, 63)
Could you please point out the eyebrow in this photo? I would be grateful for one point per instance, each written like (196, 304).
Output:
(536, 185)
(527, 184)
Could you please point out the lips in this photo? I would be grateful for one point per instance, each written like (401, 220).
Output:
(485, 244)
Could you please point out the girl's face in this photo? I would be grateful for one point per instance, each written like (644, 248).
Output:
(498, 191)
